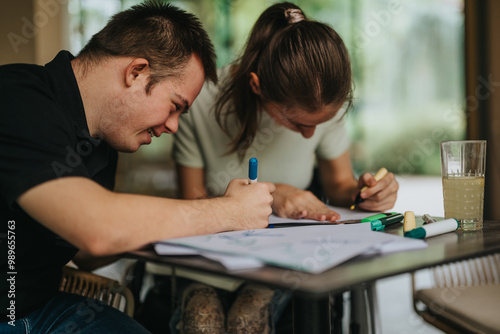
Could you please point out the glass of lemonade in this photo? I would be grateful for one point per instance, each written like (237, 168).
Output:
(462, 168)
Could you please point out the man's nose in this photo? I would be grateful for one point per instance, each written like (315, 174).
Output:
(172, 124)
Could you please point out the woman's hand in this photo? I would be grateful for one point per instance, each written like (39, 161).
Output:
(291, 202)
(380, 195)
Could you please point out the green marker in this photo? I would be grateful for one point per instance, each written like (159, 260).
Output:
(378, 216)
(380, 224)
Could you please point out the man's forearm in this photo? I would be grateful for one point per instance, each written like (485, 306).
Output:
(101, 222)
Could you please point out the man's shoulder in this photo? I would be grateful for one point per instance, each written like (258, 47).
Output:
(25, 88)
(19, 72)
(23, 82)
(30, 111)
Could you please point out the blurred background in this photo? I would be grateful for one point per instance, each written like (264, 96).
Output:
(408, 67)
(424, 70)
(407, 58)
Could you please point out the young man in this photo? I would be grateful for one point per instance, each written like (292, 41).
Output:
(61, 126)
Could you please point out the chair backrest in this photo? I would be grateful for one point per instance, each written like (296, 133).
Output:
(473, 272)
(108, 291)
(459, 294)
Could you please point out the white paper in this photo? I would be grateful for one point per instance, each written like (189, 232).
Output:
(234, 263)
(165, 249)
(312, 249)
(396, 244)
(230, 262)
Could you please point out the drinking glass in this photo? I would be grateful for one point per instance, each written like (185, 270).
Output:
(463, 170)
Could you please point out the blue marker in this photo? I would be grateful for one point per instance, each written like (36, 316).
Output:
(252, 170)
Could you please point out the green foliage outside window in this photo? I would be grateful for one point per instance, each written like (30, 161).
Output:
(408, 64)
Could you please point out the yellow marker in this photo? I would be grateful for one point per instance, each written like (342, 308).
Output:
(409, 221)
(378, 176)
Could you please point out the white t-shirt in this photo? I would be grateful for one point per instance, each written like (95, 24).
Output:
(284, 155)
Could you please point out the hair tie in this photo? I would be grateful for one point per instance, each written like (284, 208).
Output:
(294, 15)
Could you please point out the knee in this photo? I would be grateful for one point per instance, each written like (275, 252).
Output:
(202, 311)
(250, 311)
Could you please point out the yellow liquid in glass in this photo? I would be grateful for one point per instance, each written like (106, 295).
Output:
(463, 200)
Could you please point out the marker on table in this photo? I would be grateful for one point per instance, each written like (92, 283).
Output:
(409, 222)
(380, 224)
(252, 170)
(378, 216)
(430, 230)
(378, 176)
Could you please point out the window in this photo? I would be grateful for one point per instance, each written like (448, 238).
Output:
(408, 65)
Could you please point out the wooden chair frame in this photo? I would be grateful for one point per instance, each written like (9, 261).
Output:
(107, 290)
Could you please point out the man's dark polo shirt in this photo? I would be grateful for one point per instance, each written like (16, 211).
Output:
(43, 136)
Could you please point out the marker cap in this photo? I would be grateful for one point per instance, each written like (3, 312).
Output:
(252, 168)
(416, 233)
(377, 225)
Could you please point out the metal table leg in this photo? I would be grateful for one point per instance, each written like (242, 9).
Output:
(311, 315)
(364, 310)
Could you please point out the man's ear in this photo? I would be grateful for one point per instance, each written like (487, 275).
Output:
(254, 83)
(136, 69)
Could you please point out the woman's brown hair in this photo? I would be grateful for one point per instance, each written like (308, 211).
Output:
(299, 62)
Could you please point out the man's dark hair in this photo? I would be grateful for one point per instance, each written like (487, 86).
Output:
(164, 35)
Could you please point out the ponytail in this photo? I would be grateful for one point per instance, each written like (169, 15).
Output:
(299, 62)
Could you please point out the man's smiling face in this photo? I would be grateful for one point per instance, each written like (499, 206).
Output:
(136, 116)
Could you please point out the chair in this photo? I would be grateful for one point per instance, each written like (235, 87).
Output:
(464, 298)
(108, 291)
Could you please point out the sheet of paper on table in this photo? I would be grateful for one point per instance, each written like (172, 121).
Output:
(313, 249)
(229, 261)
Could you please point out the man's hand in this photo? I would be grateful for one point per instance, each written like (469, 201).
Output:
(291, 202)
(380, 195)
(250, 202)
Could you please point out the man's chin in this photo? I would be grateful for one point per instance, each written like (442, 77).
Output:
(127, 149)
(133, 149)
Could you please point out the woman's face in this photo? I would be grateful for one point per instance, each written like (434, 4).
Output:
(301, 120)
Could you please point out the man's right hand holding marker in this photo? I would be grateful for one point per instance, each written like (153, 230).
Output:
(250, 203)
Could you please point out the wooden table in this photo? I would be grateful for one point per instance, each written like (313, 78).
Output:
(311, 291)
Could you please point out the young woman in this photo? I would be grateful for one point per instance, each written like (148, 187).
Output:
(282, 102)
